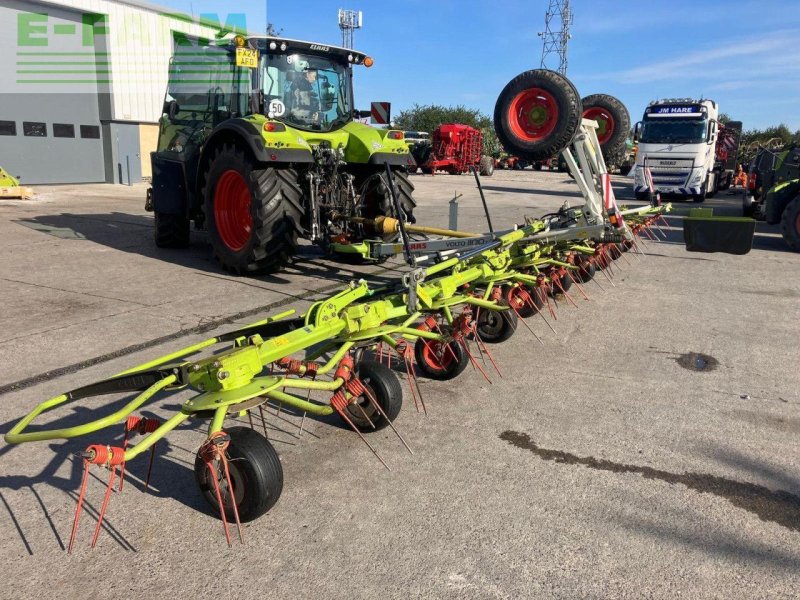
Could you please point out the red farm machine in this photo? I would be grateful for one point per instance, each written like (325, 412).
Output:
(455, 148)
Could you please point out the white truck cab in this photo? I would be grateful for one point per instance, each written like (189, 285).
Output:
(677, 141)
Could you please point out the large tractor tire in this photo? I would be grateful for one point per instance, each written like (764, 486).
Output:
(171, 231)
(376, 197)
(537, 114)
(614, 123)
(253, 214)
(487, 166)
(790, 224)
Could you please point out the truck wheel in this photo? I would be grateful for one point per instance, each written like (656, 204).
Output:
(614, 123)
(171, 231)
(642, 195)
(537, 114)
(790, 224)
(256, 476)
(253, 214)
(487, 166)
(625, 169)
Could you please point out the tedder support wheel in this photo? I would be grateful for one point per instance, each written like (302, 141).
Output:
(171, 231)
(385, 388)
(439, 360)
(487, 166)
(790, 224)
(523, 300)
(614, 123)
(586, 271)
(253, 214)
(537, 114)
(256, 476)
(495, 326)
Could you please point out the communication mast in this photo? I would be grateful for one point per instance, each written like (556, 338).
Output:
(557, 21)
(349, 21)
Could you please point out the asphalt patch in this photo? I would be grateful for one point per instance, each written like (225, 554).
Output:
(779, 506)
(695, 361)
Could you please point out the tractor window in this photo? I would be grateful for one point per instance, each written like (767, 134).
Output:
(205, 88)
(306, 91)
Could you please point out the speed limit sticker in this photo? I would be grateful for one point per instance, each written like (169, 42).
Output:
(276, 109)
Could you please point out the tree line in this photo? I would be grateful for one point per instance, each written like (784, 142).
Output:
(428, 117)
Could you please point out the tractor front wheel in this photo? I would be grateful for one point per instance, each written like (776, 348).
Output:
(253, 214)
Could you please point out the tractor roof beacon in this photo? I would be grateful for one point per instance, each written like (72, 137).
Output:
(258, 145)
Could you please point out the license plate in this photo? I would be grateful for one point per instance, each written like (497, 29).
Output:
(245, 57)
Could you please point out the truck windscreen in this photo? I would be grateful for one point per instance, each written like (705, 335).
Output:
(659, 130)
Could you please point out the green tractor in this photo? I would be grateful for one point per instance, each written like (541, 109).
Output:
(258, 145)
(773, 193)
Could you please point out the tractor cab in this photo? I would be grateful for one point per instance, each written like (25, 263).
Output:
(305, 85)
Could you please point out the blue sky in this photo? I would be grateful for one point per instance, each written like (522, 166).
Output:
(744, 54)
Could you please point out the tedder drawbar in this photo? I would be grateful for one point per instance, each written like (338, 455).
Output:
(455, 300)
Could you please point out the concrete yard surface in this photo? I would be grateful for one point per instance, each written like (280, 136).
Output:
(647, 448)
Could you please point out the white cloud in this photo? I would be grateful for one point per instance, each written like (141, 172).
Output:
(778, 49)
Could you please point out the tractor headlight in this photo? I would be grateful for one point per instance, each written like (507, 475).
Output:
(638, 176)
(697, 175)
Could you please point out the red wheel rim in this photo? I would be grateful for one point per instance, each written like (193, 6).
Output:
(437, 356)
(518, 298)
(533, 114)
(232, 216)
(606, 123)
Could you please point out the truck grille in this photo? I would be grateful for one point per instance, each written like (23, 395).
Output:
(669, 172)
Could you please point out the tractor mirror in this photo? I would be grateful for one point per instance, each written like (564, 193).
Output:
(171, 109)
(637, 131)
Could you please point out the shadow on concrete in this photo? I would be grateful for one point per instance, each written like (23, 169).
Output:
(134, 234)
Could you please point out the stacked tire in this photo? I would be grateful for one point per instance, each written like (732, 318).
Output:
(614, 124)
(537, 114)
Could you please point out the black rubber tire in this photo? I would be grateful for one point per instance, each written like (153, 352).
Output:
(566, 283)
(614, 148)
(487, 166)
(748, 204)
(453, 363)
(385, 387)
(790, 224)
(625, 169)
(376, 198)
(496, 326)
(526, 310)
(171, 231)
(699, 198)
(642, 196)
(587, 270)
(537, 165)
(567, 123)
(276, 209)
(254, 467)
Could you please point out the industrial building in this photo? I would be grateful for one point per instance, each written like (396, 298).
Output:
(84, 84)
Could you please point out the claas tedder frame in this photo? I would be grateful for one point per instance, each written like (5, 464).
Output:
(451, 305)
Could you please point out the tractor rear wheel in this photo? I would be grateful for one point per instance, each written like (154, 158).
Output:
(790, 224)
(537, 114)
(171, 231)
(487, 166)
(253, 214)
(614, 123)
